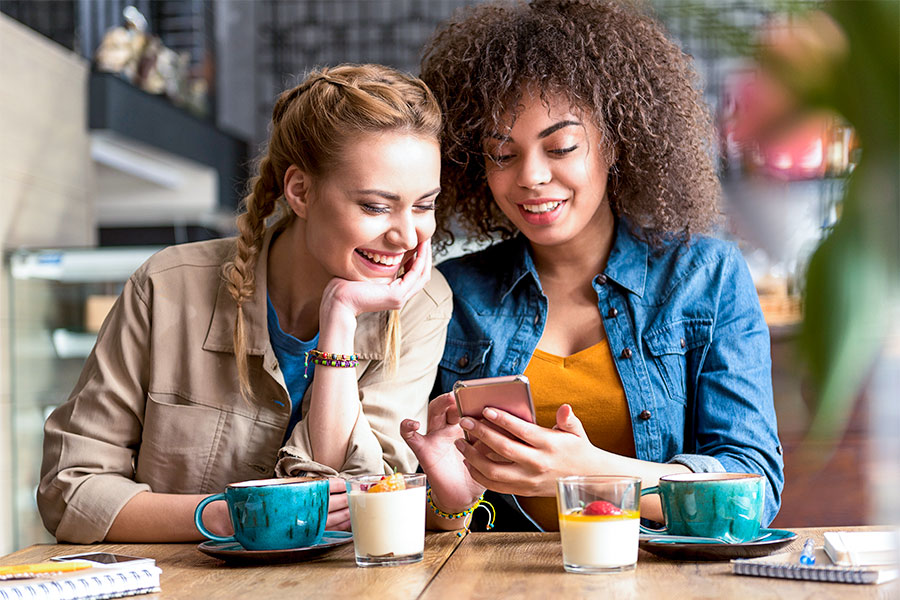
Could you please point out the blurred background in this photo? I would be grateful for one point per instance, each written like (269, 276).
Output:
(129, 126)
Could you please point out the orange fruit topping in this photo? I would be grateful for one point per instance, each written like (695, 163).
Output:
(390, 483)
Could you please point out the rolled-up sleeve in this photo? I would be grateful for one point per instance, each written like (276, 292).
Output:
(375, 445)
(736, 423)
(90, 441)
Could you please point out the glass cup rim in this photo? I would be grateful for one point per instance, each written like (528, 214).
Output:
(598, 479)
(373, 478)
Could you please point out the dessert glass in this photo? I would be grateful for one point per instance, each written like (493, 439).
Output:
(599, 518)
(389, 524)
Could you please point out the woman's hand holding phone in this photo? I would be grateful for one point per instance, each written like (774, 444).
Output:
(510, 455)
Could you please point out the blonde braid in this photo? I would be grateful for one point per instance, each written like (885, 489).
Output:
(239, 273)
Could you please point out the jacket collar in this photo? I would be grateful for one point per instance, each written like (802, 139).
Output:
(627, 264)
(368, 342)
(628, 260)
(220, 337)
(521, 266)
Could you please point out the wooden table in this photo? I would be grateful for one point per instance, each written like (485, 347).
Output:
(481, 565)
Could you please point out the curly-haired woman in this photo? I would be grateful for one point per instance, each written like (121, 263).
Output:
(575, 133)
(210, 367)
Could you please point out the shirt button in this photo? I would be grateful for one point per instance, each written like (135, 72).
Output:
(463, 360)
(645, 415)
(683, 344)
(612, 312)
(626, 353)
(275, 366)
(601, 279)
(779, 449)
(537, 319)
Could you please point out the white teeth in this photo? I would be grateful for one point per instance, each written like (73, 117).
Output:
(541, 208)
(388, 261)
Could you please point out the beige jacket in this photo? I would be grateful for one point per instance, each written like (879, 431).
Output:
(157, 406)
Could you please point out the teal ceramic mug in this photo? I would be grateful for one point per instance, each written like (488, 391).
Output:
(272, 514)
(726, 506)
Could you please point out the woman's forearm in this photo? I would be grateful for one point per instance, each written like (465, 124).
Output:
(150, 518)
(334, 406)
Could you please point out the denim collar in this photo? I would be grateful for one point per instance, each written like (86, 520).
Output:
(627, 264)
(521, 266)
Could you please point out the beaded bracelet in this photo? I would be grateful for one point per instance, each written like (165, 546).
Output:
(325, 359)
(445, 515)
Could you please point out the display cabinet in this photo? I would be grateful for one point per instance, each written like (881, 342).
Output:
(58, 299)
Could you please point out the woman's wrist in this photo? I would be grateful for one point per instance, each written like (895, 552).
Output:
(443, 511)
(461, 519)
(337, 329)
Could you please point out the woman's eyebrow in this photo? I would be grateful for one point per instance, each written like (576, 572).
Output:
(556, 127)
(392, 196)
(550, 130)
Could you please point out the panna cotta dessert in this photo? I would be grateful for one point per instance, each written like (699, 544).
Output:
(599, 537)
(387, 516)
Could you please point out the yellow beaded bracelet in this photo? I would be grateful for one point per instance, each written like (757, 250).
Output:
(445, 515)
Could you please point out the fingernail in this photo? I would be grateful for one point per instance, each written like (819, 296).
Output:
(467, 423)
(460, 445)
(490, 413)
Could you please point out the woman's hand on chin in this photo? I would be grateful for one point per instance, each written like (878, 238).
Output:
(358, 297)
(513, 456)
(452, 488)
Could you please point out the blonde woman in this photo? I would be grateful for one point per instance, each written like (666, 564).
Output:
(284, 345)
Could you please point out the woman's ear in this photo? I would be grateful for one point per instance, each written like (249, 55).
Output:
(297, 186)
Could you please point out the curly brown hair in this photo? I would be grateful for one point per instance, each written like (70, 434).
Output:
(614, 63)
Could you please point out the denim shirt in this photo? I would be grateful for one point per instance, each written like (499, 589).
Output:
(686, 332)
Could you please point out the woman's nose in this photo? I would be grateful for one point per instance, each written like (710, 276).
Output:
(402, 233)
(534, 170)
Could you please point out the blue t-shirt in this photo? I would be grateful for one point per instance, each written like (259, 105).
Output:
(291, 354)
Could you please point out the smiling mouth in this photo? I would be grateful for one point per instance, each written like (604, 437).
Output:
(382, 260)
(544, 207)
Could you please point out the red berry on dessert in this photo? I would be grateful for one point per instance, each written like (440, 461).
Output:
(602, 507)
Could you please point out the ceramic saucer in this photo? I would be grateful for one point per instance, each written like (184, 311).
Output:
(234, 552)
(768, 541)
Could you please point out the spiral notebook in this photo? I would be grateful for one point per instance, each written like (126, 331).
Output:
(99, 581)
(786, 565)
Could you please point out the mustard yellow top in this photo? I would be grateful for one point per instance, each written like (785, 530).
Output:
(589, 382)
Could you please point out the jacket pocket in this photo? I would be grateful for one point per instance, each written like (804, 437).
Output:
(669, 346)
(178, 444)
(463, 359)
